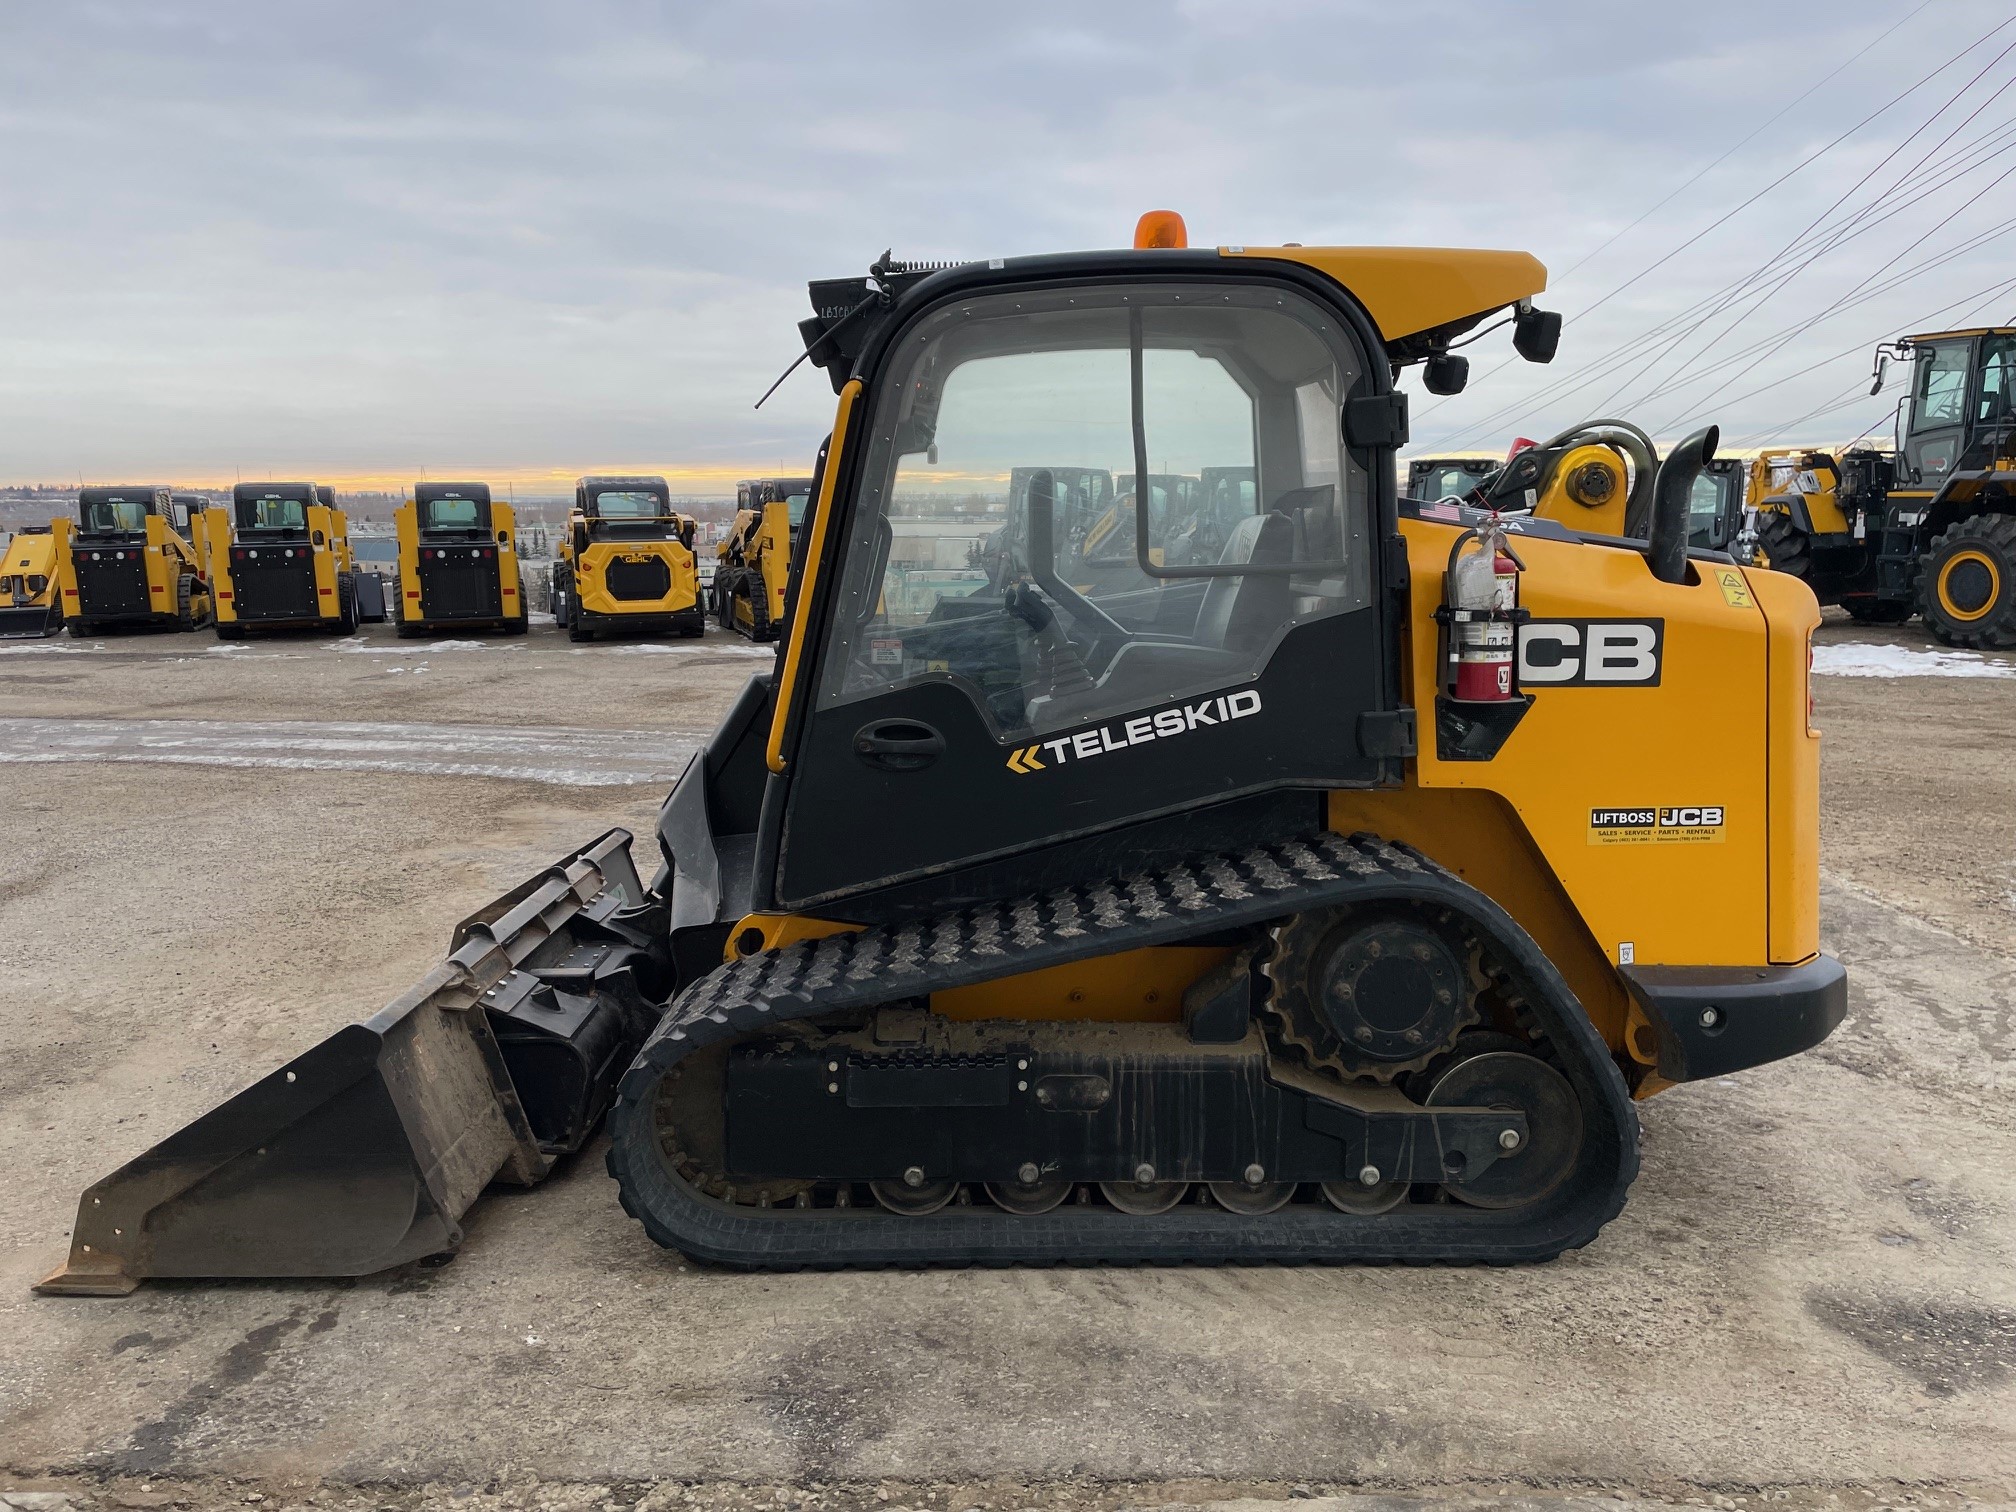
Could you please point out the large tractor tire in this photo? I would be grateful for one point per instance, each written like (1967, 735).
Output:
(1788, 548)
(1967, 584)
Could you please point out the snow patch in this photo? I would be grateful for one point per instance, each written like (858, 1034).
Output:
(652, 648)
(359, 645)
(50, 648)
(1905, 661)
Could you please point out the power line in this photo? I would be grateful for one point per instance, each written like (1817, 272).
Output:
(1755, 132)
(1497, 415)
(1822, 152)
(1957, 210)
(1856, 188)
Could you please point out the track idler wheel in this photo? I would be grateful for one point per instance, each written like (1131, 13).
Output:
(914, 1195)
(1253, 1198)
(1510, 1079)
(1144, 1199)
(1029, 1195)
(1366, 1199)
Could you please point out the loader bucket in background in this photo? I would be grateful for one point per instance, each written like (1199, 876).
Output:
(29, 622)
(366, 1151)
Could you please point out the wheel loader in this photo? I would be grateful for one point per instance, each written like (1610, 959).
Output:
(30, 607)
(753, 561)
(280, 557)
(458, 562)
(130, 560)
(1928, 526)
(626, 563)
(1343, 916)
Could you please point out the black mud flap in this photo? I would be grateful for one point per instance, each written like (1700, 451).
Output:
(366, 1151)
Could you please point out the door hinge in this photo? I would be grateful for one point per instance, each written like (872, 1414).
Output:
(1398, 572)
(1375, 420)
(1386, 732)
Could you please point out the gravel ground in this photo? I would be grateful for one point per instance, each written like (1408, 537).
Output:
(1809, 1299)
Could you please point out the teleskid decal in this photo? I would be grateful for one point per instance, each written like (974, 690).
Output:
(1164, 724)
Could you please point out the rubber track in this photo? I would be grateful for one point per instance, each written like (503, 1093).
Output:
(815, 978)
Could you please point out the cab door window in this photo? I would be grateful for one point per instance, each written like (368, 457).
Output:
(1996, 403)
(1938, 406)
(1008, 539)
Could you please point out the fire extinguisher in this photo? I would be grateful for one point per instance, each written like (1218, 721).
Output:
(1481, 614)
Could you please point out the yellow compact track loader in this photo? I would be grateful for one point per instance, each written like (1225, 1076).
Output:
(753, 561)
(30, 606)
(130, 559)
(1928, 525)
(1337, 911)
(626, 563)
(280, 557)
(458, 562)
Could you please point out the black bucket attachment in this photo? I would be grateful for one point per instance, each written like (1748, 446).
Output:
(366, 1151)
(370, 599)
(29, 621)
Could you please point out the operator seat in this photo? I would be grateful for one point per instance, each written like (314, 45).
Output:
(1242, 613)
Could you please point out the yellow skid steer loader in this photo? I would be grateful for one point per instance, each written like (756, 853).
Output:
(1337, 906)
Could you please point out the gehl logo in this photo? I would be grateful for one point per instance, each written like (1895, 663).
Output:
(1165, 724)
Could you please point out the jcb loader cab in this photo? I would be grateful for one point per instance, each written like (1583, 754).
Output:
(30, 606)
(458, 562)
(1928, 527)
(626, 563)
(129, 561)
(1719, 516)
(1432, 478)
(280, 558)
(753, 561)
(1341, 917)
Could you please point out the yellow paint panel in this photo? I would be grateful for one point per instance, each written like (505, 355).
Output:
(815, 551)
(1793, 613)
(1410, 289)
(1697, 739)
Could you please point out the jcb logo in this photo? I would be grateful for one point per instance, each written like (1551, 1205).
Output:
(1591, 653)
(1706, 816)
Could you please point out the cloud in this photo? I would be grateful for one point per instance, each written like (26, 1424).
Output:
(371, 237)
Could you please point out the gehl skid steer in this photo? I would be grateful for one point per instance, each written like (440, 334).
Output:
(1274, 914)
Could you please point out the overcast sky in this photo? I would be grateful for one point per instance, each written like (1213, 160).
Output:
(535, 240)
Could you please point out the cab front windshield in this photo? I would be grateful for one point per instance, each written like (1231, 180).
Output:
(629, 505)
(454, 514)
(796, 504)
(273, 514)
(113, 516)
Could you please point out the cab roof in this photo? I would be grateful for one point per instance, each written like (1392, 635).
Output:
(1409, 290)
(1950, 335)
(427, 493)
(596, 483)
(243, 493)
